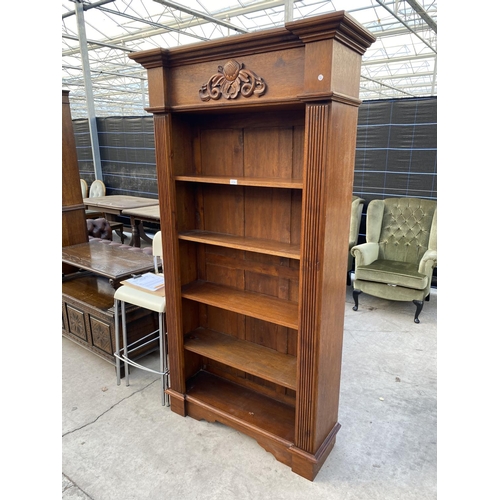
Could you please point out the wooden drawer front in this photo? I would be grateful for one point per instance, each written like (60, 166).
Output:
(76, 322)
(101, 335)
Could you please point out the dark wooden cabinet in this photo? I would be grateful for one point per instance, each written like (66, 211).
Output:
(88, 317)
(74, 227)
(255, 141)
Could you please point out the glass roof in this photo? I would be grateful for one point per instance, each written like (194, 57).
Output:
(401, 63)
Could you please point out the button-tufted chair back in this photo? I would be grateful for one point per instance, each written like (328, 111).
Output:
(97, 188)
(402, 228)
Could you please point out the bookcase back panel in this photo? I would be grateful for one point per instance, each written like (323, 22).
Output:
(190, 315)
(183, 146)
(248, 271)
(252, 382)
(186, 200)
(296, 217)
(270, 146)
(254, 330)
(265, 213)
(269, 152)
(228, 322)
(270, 265)
(268, 214)
(221, 152)
(269, 335)
(189, 266)
(221, 209)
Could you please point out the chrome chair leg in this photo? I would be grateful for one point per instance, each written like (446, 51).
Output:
(125, 347)
(117, 342)
(161, 334)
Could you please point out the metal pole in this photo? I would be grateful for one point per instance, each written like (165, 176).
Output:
(433, 90)
(143, 91)
(288, 10)
(89, 95)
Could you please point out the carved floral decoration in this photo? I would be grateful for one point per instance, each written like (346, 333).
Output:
(231, 80)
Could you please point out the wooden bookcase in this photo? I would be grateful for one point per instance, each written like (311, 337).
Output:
(255, 141)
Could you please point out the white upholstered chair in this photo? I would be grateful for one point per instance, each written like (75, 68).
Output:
(97, 188)
(85, 188)
(148, 300)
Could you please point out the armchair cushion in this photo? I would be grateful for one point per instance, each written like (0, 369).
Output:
(393, 272)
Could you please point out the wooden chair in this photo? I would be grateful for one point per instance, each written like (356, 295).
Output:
(153, 302)
(98, 188)
(85, 188)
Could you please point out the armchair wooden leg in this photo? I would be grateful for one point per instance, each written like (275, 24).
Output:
(420, 305)
(355, 295)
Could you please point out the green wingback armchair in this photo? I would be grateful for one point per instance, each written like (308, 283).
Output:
(400, 253)
(356, 209)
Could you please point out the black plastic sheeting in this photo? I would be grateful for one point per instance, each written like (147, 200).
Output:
(396, 151)
(126, 146)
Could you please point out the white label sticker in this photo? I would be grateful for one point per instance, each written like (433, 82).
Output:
(233, 181)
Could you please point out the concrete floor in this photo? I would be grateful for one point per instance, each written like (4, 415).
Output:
(118, 442)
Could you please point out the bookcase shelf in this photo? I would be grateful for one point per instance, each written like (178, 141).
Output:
(268, 247)
(242, 181)
(225, 400)
(246, 356)
(255, 139)
(278, 311)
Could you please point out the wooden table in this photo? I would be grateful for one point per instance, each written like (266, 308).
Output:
(150, 213)
(113, 206)
(88, 311)
(106, 260)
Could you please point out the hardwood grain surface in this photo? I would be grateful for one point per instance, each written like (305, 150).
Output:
(246, 356)
(258, 245)
(267, 308)
(107, 260)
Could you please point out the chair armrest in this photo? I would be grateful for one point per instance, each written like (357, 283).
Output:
(99, 228)
(365, 253)
(428, 262)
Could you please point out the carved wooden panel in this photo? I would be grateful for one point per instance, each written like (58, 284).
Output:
(231, 81)
(76, 322)
(101, 335)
